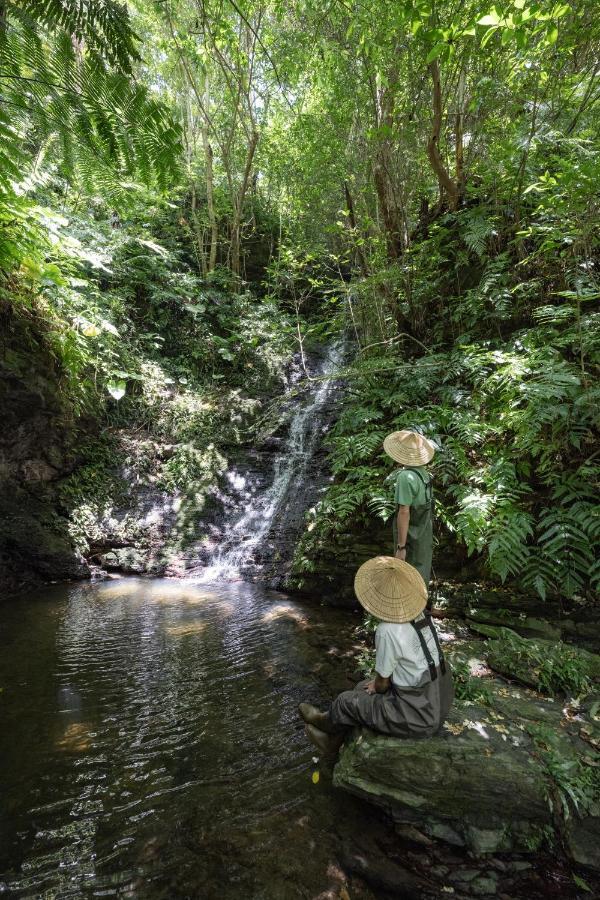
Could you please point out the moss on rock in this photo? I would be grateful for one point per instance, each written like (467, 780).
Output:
(484, 783)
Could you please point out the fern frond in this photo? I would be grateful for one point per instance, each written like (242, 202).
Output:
(109, 127)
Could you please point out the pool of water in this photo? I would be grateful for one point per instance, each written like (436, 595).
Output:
(150, 744)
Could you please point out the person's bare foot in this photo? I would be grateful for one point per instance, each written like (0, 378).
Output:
(328, 744)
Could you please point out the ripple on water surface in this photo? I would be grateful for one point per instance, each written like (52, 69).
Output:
(151, 748)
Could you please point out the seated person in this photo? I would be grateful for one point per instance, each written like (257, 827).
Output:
(412, 691)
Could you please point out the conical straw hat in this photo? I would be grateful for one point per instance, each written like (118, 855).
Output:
(409, 448)
(390, 589)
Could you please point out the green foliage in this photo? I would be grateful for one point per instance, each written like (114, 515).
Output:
(366, 662)
(557, 669)
(192, 469)
(80, 96)
(572, 781)
(507, 392)
(104, 25)
(468, 688)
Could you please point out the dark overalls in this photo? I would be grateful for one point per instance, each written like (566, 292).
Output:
(419, 541)
(405, 712)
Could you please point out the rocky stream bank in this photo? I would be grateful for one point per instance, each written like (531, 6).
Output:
(506, 800)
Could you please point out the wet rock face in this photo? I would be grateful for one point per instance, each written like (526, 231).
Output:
(484, 783)
(154, 532)
(35, 452)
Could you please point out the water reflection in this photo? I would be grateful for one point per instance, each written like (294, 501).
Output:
(151, 745)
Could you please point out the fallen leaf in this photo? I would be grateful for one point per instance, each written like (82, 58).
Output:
(501, 728)
(454, 729)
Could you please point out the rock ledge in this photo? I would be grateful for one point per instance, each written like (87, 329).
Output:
(484, 783)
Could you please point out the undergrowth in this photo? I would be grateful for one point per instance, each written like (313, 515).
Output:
(506, 390)
(552, 669)
(573, 781)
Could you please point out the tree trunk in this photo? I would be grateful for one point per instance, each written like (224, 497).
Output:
(210, 200)
(458, 135)
(445, 182)
(387, 204)
(198, 232)
(360, 254)
(236, 225)
(384, 167)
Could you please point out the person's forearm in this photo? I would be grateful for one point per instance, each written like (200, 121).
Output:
(379, 685)
(403, 522)
(382, 685)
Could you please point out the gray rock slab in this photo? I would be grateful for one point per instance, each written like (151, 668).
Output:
(480, 784)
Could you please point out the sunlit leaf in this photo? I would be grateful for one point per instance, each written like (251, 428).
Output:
(492, 18)
(116, 389)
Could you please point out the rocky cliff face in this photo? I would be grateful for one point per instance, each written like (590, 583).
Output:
(151, 531)
(36, 442)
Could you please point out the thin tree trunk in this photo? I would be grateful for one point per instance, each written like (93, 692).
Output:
(198, 232)
(360, 255)
(236, 225)
(445, 182)
(210, 200)
(458, 135)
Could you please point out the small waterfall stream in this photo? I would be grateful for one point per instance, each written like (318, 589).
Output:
(267, 511)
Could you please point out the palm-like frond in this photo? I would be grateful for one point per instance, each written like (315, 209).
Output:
(74, 86)
(103, 26)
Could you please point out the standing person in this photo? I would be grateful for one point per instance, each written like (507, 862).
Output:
(413, 519)
(412, 691)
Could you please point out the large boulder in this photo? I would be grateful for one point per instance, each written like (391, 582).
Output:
(486, 782)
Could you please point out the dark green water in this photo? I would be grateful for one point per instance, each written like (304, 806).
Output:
(150, 745)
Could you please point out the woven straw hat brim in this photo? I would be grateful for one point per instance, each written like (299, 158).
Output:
(408, 456)
(390, 589)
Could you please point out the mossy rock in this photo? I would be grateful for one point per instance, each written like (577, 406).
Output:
(524, 659)
(482, 783)
(528, 626)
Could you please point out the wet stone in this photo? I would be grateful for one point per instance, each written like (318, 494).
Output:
(484, 886)
(464, 875)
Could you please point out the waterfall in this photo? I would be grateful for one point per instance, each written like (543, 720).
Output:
(246, 532)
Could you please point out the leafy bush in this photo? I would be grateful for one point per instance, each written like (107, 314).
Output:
(552, 669)
(514, 415)
(468, 688)
(571, 780)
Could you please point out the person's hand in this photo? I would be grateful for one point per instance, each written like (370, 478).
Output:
(370, 687)
(400, 554)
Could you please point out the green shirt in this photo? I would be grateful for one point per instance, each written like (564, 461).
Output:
(410, 490)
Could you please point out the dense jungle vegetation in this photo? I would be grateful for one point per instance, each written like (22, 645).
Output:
(193, 191)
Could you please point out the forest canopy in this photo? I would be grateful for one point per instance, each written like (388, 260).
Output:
(189, 187)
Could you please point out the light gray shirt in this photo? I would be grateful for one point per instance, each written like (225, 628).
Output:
(399, 654)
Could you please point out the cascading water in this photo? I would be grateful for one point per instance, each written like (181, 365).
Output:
(263, 513)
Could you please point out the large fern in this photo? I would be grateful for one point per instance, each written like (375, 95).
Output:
(66, 83)
(103, 25)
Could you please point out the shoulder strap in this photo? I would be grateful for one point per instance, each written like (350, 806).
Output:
(426, 622)
(426, 482)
